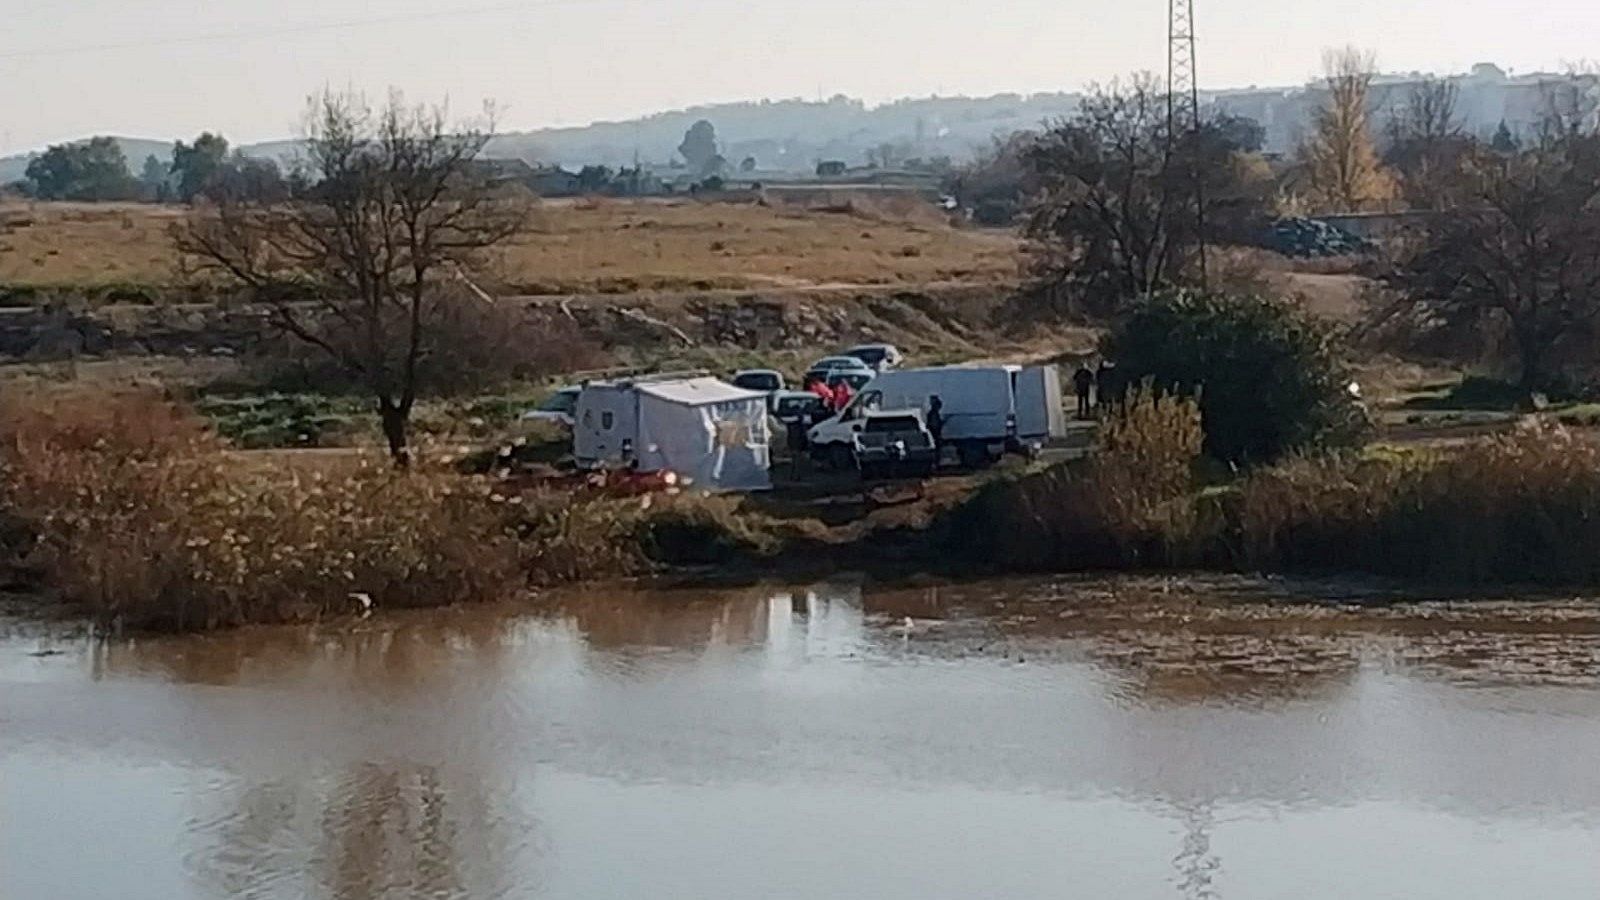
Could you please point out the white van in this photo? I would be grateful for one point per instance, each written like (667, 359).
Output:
(985, 410)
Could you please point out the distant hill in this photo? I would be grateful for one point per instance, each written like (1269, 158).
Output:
(794, 135)
(782, 135)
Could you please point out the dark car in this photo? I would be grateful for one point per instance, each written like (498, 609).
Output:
(790, 406)
(895, 443)
(765, 380)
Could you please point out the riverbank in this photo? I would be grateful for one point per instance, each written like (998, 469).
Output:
(127, 509)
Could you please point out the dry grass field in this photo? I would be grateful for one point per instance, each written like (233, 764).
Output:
(586, 246)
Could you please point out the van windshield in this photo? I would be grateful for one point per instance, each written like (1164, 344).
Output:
(878, 424)
(560, 402)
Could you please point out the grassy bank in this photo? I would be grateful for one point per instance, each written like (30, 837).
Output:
(130, 509)
(1522, 507)
(124, 506)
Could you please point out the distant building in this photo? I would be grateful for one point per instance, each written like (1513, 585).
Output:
(831, 168)
(552, 181)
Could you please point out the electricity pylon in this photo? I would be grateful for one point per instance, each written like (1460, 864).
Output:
(1183, 107)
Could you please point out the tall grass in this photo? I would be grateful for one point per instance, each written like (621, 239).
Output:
(1128, 505)
(141, 517)
(1523, 507)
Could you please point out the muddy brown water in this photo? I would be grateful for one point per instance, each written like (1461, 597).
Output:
(1017, 739)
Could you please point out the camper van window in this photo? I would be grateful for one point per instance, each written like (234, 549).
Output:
(607, 419)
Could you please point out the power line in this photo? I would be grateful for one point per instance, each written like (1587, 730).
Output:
(270, 31)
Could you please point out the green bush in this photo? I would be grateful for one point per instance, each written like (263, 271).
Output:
(275, 420)
(1266, 373)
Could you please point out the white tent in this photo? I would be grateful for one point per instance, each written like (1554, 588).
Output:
(702, 429)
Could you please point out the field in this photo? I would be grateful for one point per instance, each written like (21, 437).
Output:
(584, 247)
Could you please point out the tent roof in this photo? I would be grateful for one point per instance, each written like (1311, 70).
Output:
(697, 391)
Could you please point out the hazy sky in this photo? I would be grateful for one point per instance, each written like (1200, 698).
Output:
(165, 68)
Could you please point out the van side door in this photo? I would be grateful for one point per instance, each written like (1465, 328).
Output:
(1039, 409)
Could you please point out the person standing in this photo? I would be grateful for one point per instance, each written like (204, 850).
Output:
(842, 395)
(936, 422)
(1082, 383)
(820, 388)
(1107, 385)
(796, 432)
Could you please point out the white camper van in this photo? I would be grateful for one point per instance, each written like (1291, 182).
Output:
(705, 430)
(985, 410)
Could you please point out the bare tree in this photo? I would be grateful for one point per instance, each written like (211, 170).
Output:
(1428, 148)
(1113, 200)
(1525, 253)
(1340, 160)
(366, 264)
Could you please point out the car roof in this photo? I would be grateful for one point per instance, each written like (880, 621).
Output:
(837, 359)
(570, 389)
(877, 346)
(756, 372)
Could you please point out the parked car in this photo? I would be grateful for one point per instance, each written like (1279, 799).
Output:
(856, 380)
(877, 356)
(558, 407)
(768, 381)
(828, 365)
(986, 410)
(893, 443)
(791, 406)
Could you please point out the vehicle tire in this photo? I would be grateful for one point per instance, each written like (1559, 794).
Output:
(973, 454)
(841, 457)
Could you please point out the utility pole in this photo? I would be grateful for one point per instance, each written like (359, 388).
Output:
(1183, 108)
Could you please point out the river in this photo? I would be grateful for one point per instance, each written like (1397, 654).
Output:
(1131, 737)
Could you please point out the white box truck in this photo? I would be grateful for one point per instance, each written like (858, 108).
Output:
(985, 410)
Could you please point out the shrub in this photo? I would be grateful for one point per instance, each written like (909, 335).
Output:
(1268, 377)
(139, 516)
(1127, 505)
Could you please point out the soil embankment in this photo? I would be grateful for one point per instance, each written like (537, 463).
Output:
(940, 321)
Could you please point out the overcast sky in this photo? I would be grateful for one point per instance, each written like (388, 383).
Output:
(166, 68)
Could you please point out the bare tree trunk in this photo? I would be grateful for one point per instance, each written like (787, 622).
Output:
(394, 420)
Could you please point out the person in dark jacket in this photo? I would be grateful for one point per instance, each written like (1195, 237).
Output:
(1082, 383)
(796, 429)
(1108, 386)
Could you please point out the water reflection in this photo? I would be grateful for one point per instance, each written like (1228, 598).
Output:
(1129, 737)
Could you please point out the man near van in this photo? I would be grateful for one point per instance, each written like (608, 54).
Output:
(842, 395)
(820, 387)
(1082, 382)
(795, 430)
(1108, 387)
(936, 422)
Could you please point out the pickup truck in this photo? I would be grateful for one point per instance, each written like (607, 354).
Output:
(895, 443)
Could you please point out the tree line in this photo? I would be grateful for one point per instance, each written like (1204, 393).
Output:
(96, 170)
(1505, 236)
